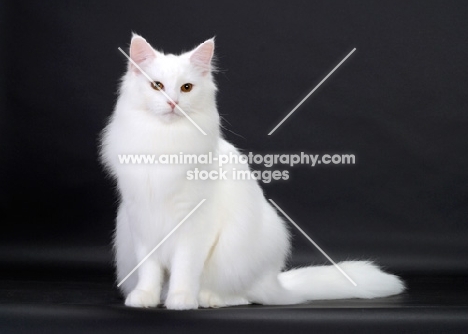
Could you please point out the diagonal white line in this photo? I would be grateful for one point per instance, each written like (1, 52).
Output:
(163, 92)
(313, 243)
(161, 242)
(311, 92)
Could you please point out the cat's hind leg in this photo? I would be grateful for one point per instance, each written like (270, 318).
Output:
(210, 299)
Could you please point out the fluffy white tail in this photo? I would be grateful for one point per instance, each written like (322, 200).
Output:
(326, 282)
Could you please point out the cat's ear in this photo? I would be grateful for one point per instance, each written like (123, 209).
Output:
(140, 51)
(202, 56)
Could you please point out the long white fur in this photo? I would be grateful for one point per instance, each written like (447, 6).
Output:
(232, 250)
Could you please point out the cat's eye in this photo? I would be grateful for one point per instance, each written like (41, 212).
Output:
(156, 85)
(186, 87)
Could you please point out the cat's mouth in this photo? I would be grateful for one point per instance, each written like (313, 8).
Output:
(172, 113)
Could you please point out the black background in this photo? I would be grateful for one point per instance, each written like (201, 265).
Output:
(398, 103)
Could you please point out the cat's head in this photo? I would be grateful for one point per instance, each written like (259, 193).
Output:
(177, 81)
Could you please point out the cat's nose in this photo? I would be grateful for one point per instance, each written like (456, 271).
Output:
(172, 103)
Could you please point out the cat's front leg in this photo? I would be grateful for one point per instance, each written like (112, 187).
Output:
(148, 289)
(184, 282)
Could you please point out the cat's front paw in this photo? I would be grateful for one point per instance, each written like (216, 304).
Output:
(181, 300)
(142, 298)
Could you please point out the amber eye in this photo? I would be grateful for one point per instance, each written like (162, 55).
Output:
(156, 85)
(186, 87)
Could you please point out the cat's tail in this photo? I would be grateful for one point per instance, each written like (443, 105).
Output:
(326, 282)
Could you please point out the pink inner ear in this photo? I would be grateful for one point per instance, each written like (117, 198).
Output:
(141, 51)
(202, 55)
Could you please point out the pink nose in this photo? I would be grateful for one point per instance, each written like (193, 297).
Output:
(172, 104)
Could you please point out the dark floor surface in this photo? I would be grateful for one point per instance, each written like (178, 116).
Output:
(72, 300)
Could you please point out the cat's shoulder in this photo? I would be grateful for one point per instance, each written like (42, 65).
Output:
(225, 147)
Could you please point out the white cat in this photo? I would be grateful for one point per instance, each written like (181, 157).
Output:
(232, 249)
